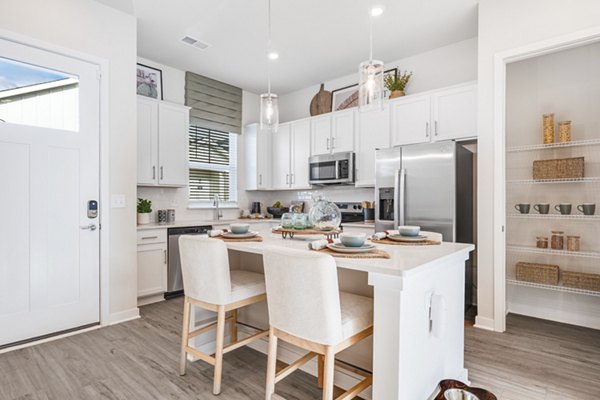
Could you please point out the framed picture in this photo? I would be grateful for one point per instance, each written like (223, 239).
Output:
(149, 82)
(347, 97)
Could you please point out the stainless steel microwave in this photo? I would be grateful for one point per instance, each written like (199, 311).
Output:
(331, 169)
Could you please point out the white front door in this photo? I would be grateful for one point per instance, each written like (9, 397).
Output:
(49, 170)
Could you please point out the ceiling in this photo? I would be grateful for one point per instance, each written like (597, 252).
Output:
(317, 40)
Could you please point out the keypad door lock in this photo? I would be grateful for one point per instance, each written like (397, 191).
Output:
(92, 209)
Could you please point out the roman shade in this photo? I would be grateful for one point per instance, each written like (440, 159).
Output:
(215, 105)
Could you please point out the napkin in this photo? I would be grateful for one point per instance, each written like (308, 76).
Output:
(379, 235)
(216, 232)
(392, 232)
(320, 244)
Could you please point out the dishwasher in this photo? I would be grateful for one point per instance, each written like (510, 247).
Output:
(174, 278)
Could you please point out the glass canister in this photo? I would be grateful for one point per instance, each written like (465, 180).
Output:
(287, 220)
(573, 243)
(542, 242)
(325, 215)
(564, 131)
(558, 240)
(301, 221)
(548, 122)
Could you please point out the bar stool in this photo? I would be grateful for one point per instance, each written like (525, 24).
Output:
(307, 309)
(208, 283)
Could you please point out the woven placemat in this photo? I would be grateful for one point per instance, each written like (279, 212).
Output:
(376, 253)
(394, 242)
(252, 239)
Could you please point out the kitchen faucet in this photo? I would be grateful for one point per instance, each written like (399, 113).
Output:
(218, 213)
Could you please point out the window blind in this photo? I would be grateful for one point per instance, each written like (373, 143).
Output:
(214, 105)
(204, 184)
(208, 146)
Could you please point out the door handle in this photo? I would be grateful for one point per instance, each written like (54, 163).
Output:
(91, 227)
(402, 209)
(165, 256)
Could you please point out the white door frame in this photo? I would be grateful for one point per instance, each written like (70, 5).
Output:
(553, 45)
(104, 200)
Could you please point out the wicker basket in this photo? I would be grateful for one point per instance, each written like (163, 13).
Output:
(564, 168)
(580, 280)
(537, 273)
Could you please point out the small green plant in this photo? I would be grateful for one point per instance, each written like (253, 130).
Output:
(144, 206)
(397, 82)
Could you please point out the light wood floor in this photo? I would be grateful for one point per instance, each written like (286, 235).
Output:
(139, 360)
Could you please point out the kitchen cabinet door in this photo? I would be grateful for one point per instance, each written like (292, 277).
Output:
(455, 113)
(257, 157)
(147, 141)
(410, 120)
(320, 135)
(173, 126)
(152, 269)
(373, 133)
(300, 152)
(281, 157)
(342, 133)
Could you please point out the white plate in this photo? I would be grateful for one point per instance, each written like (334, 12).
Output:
(401, 238)
(231, 235)
(340, 248)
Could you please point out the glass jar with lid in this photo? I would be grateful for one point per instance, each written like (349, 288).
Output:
(324, 215)
(558, 240)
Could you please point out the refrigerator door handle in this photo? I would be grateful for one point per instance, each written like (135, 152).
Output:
(397, 174)
(402, 195)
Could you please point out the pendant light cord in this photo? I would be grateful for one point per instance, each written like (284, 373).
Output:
(269, 49)
(370, 37)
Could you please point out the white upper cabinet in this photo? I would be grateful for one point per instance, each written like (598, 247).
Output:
(373, 133)
(320, 134)
(162, 143)
(455, 113)
(281, 157)
(342, 131)
(411, 120)
(300, 151)
(257, 150)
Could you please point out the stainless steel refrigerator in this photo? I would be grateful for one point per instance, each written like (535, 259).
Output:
(429, 185)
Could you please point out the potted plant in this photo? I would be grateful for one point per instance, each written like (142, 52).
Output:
(397, 83)
(144, 208)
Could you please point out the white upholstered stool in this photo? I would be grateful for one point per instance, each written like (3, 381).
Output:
(208, 283)
(307, 309)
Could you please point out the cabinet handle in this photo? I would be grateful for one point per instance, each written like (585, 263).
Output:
(161, 173)
(426, 129)
(149, 237)
(327, 143)
(293, 179)
(435, 128)
(332, 143)
(154, 172)
(165, 252)
(260, 179)
(287, 179)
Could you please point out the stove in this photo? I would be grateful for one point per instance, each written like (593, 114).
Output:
(351, 212)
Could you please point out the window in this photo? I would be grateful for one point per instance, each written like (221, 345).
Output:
(213, 165)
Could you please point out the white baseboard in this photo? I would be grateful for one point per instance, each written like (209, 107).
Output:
(49, 339)
(122, 316)
(484, 323)
(144, 301)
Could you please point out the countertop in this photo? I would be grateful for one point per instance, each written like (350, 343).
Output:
(404, 261)
(180, 224)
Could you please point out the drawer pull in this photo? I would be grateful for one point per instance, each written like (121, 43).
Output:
(149, 237)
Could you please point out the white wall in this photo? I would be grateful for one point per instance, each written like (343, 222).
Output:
(88, 27)
(505, 25)
(445, 66)
(165, 198)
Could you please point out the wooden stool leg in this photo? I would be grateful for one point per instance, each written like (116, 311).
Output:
(219, 349)
(184, 335)
(271, 364)
(328, 373)
(320, 366)
(234, 332)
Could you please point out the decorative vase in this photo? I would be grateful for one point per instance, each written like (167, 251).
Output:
(396, 93)
(143, 218)
(324, 215)
(321, 103)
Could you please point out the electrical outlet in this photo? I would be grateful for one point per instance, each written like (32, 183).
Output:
(117, 201)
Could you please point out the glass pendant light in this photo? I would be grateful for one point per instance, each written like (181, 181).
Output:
(269, 107)
(370, 75)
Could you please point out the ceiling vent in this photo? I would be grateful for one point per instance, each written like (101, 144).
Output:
(195, 42)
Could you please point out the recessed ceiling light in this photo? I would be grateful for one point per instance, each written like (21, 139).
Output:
(376, 11)
(273, 55)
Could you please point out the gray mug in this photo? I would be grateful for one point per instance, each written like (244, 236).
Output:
(587, 208)
(564, 209)
(522, 208)
(543, 208)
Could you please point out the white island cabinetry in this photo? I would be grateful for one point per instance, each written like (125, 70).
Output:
(152, 265)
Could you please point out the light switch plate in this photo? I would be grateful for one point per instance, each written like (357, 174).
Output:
(117, 201)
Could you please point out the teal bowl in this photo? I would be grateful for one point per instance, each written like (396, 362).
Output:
(408, 230)
(239, 228)
(353, 239)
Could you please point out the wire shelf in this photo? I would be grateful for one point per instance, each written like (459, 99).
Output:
(577, 143)
(554, 216)
(558, 288)
(535, 250)
(544, 181)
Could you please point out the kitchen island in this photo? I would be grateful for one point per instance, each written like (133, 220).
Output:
(418, 312)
